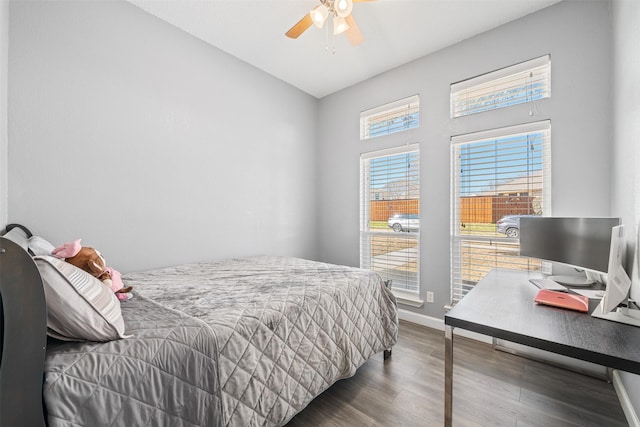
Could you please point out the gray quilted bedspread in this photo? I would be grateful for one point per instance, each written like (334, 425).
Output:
(242, 342)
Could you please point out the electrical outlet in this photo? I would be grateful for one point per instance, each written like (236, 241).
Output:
(429, 296)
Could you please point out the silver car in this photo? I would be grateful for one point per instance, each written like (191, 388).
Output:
(510, 225)
(404, 222)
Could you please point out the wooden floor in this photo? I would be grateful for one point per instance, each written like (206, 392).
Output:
(491, 388)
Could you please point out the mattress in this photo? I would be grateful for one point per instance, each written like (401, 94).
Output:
(240, 342)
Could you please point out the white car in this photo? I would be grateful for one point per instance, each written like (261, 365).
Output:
(404, 222)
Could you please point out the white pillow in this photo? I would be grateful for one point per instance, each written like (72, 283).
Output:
(18, 236)
(39, 246)
(35, 245)
(79, 306)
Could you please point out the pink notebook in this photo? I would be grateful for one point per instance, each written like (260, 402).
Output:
(562, 299)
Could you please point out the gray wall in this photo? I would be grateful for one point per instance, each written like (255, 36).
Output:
(625, 189)
(151, 145)
(4, 65)
(578, 37)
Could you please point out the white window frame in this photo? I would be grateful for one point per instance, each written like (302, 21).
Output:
(385, 117)
(528, 81)
(403, 290)
(487, 241)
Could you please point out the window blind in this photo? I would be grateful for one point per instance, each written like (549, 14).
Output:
(390, 188)
(496, 173)
(393, 117)
(525, 82)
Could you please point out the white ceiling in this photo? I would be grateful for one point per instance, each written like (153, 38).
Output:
(395, 31)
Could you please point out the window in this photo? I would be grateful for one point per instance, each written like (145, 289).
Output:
(518, 84)
(390, 215)
(390, 118)
(498, 175)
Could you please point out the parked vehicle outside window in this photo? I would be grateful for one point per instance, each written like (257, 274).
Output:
(404, 222)
(510, 225)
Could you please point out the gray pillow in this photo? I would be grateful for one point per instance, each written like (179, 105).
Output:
(79, 306)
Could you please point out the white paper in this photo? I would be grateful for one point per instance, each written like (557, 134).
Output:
(589, 293)
(618, 286)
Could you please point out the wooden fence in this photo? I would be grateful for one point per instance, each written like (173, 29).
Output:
(476, 209)
(382, 210)
(489, 209)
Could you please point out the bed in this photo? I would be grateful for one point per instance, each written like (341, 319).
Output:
(239, 342)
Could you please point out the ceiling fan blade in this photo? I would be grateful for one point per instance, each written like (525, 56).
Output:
(353, 33)
(300, 27)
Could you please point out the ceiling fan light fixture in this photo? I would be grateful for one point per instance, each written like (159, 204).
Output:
(319, 15)
(339, 25)
(343, 8)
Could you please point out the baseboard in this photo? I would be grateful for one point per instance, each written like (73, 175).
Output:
(436, 323)
(421, 319)
(625, 401)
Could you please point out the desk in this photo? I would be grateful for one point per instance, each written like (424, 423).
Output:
(501, 306)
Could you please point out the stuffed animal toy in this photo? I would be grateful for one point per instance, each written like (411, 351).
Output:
(91, 261)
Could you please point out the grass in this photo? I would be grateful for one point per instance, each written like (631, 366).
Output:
(478, 227)
(482, 257)
(378, 224)
(469, 228)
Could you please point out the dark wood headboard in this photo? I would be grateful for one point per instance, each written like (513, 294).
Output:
(23, 339)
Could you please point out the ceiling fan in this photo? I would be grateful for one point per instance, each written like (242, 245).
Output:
(343, 21)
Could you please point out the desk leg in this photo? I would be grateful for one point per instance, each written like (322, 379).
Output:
(448, 375)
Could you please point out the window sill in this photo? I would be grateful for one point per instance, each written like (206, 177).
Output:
(408, 298)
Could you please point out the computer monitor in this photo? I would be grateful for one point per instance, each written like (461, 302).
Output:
(583, 243)
(615, 303)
